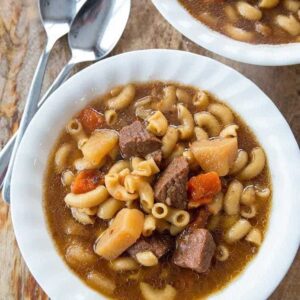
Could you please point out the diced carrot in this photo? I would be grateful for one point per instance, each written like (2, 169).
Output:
(91, 119)
(203, 188)
(86, 180)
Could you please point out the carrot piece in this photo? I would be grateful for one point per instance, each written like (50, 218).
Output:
(86, 180)
(202, 189)
(91, 119)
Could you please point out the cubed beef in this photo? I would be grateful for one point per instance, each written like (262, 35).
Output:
(170, 188)
(194, 250)
(135, 140)
(159, 244)
(157, 156)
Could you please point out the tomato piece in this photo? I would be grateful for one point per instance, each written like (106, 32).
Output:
(91, 119)
(202, 189)
(87, 180)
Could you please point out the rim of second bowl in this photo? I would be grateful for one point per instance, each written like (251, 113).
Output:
(28, 217)
(202, 35)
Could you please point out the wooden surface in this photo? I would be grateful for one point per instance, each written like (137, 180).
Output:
(21, 41)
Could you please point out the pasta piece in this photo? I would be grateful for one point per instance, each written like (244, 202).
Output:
(232, 198)
(109, 208)
(145, 168)
(116, 91)
(255, 166)
(122, 233)
(238, 33)
(78, 254)
(238, 231)
(116, 190)
(186, 128)
(123, 99)
(100, 143)
(169, 141)
(149, 225)
(222, 113)
(146, 196)
(229, 131)
(111, 117)
(231, 13)
(67, 177)
(254, 237)
(146, 258)
(201, 100)
(200, 133)
(248, 11)
(178, 217)
(248, 195)
(123, 264)
(119, 166)
(292, 5)
(160, 210)
(183, 96)
(81, 217)
(61, 157)
(97, 280)
(87, 200)
(248, 212)
(178, 151)
(240, 162)
(268, 3)
(207, 121)
(289, 24)
(222, 253)
(216, 206)
(169, 99)
(157, 124)
(262, 193)
(149, 293)
(75, 129)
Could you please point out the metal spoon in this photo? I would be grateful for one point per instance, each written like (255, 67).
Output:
(56, 17)
(94, 33)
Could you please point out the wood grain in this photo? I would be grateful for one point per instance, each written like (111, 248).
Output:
(21, 42)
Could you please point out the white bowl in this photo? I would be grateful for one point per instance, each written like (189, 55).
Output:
(265, 55)
(281, 242)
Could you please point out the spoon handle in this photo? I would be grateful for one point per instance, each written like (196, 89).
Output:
(29, 111)
(6, 152)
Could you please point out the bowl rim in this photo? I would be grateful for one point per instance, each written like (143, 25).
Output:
(202, 35)
(38, 136)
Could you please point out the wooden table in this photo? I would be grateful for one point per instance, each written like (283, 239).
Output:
(21, 41)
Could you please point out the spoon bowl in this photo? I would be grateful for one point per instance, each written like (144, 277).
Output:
(97, 29)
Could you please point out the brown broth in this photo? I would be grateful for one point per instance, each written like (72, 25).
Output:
(189, 285)
(201, 9)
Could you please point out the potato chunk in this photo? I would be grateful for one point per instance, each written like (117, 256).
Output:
(215, 155)
(99, 145)
(125, 229)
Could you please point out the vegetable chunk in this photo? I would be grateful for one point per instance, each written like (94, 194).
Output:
(202, 189)
(99, 145)
(123, 233)
(216, 155)
(91, 119)
(86, 180)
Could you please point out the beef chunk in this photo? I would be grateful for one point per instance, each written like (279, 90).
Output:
(157, 156)
(171, 185)
(135, 140)
(194, 250)
(159, 244)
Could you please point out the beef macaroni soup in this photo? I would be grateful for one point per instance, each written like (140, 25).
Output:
(253, 21)
(157, 191)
